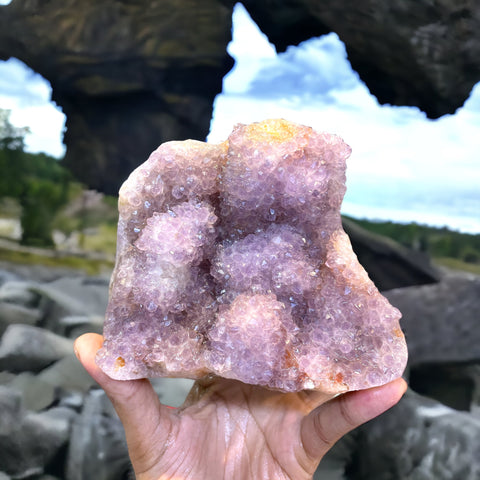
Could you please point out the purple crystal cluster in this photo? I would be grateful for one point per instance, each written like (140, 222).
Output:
(232, 261)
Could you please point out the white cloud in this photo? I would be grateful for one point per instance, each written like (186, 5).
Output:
(249, 47)
(247, 39)
(28, 95)
(19, 82)
(404, 166)
(315, 68)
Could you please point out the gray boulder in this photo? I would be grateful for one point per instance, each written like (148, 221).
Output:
(332, 466)
(29, 441)
(419, 439)
(97, 446)
(11, 313)
(6, 377)
(63, 383)
(35, 273)
(36, 394)
(388, 263)
(7, 276)
(24, 347)
(440, 321)
(77, 296)
(456, 385)
(73, 326)
(19, 293)
(67, 374)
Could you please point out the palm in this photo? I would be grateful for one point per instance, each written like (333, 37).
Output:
(229, 430)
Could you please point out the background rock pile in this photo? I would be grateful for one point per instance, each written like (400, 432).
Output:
(55, 423)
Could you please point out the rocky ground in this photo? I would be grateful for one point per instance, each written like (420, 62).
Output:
(55, 423)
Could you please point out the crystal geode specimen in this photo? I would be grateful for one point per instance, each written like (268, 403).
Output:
(232, 261)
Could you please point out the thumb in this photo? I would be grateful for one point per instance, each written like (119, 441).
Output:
(325, 425)
(146, 421)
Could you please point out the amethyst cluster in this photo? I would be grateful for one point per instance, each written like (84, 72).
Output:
(232, 261)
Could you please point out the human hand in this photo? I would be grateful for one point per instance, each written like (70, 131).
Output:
(230, 430)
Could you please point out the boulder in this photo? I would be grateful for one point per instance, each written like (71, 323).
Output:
(36, 394)
(440, 321)
(389, 264)
(456, 385)
(6, 377)
(97, 446)
(24, 347)
(419, 439)
(63, 383)
(76, 325)
(28, 440)
(7, 276)
(67, 296)
(19, 293)
(35, 273)
(78, 295)
(67, 375)
(11, 313)
(333, 464)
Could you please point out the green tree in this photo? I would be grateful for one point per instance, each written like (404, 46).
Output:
(11, 137)
(37, 181)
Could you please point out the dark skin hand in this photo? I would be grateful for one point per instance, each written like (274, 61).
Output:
(230, 430)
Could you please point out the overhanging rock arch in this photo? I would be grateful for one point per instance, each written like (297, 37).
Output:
(130, 75)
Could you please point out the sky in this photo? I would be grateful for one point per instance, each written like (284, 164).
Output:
(404, 167)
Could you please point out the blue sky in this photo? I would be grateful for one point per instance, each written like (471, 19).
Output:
(28, 95)
(403, 167)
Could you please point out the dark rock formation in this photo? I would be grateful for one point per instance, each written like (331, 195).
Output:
(11, 313)
(408, 52)
(389, 264)
(441, 321)
(455, 385)
(431, 442)
(29, 441)
(97, 445)
(29, 348)
(128, 75)
(131, 75)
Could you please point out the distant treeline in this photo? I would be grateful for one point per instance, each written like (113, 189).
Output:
(437, 242)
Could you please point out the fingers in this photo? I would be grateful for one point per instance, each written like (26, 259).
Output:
(331, 421)
(146, 421)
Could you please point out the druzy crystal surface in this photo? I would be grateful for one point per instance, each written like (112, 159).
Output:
(232, 261)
